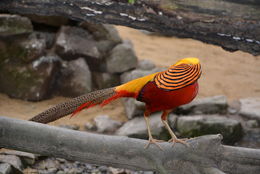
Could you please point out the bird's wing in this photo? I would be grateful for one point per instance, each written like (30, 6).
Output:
(135, 86)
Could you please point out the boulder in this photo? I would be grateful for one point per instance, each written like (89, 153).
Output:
(74, 42)
(102, 31)
(105, 80)
(133, 108)
(12, 160)
(29, 82)
(105, 46)
(234, 107)
(25, 48)
(209, 105)
(49, 38)
(75, 78)
(90, 127)
(46, 164)
(14, 24)
(145, 65)
(122, 58)
(49, 171)
(27, 158)
(105, 124)
(106, 35)
(250, 108)
(5, 168)
(251, 139)
(136, 128)
(193, 126)
(252, 124)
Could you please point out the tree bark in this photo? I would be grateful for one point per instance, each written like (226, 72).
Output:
(233, 25)
(205, 154)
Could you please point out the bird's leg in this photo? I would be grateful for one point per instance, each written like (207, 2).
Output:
(174, 139)
(151, 139)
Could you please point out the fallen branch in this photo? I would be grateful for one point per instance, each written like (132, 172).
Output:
(204, 155)
(213, 21)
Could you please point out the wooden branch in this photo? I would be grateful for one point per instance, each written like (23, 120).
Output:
(213, 21)
(204, 155)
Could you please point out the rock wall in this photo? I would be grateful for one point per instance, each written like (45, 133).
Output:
(42, 56)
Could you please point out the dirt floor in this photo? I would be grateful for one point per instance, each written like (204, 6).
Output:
(236, 75)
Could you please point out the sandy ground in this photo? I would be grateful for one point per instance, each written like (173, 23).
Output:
(236, 75)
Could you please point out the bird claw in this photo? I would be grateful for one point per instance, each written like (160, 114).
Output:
(153, 141)
(176, 140)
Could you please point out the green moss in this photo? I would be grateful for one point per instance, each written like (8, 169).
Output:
(230, 134)
(131, 1)
(13, 52)
(16, 80)
(15, 25)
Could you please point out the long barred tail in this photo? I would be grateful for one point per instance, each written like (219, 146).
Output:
(99, 97)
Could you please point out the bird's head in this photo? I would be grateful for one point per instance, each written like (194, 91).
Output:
(188, 61)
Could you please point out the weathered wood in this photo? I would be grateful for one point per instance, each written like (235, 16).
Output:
(234, 25)
(205, 155)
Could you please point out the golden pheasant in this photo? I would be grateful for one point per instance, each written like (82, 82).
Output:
(161, 91)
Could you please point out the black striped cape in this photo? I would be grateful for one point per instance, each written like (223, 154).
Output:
(177, 77)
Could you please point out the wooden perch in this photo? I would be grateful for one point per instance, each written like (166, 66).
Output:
(233, 25)
(205, 155)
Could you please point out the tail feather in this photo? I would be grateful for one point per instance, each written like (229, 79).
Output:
(75, 105)
(81, 107)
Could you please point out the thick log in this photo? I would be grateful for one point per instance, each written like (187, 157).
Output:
(233, 25)
(205, 155)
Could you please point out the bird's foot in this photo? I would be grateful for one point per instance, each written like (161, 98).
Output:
(177, 140)
(153, 141)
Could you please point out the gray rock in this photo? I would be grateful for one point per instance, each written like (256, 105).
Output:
(251, 138)
(133, 108)
(14, 24)
(102, 31)
(49, 38)
(22, 49)
(90, 127)
(136, 128)
(193, 126)
(74, 42)
(106, 124)
(234, 107)
(148, 172)
(34, 46)
(145, 65)
(5, 168)
(75, 78)
(250, 108)
(209, 105)
(61, 172)
(105, 46)
(122, 58)
(105, 80)
(29, 82)
(172, 119)
(49, 171)
(12, 160)
(252, 124)
(49, 163)
(27, 158)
